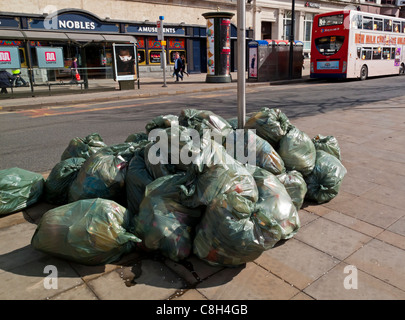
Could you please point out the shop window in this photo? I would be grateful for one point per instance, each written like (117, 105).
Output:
(155, 56)
(141, 57)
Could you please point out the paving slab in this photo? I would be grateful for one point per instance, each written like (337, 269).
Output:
(296, 262)
(383, 261)
(331, 286)
(249, 282)
(332, 238)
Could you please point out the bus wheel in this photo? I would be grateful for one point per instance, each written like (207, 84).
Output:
(363, 72)
(402, 70)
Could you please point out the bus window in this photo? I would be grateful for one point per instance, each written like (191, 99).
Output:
(358, 21)
(378, 24)
(358, 52)
(397, 26)
(329, 45)
(403, 27)
(366, 54)
(387, 25)
(376, 53)
(368, 23)
(331, 20)
(393, 53)
(386, 54)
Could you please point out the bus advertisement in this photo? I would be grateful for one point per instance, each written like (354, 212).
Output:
(354, 44)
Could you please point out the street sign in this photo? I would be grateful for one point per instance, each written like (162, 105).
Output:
(159, 25)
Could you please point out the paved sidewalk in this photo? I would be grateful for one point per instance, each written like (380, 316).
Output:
(357, 238)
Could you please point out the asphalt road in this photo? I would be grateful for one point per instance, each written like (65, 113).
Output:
(35, 139)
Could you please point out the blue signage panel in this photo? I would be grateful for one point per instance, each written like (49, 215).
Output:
(327, 65)
(72, 22)
(152, 30)
(9, 57)
(9, 23)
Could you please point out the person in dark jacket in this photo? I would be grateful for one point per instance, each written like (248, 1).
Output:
(6, 79)
(178, 65)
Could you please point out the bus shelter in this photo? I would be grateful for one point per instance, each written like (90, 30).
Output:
(269, 60)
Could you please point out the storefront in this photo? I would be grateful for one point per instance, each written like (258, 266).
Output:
(85, 36)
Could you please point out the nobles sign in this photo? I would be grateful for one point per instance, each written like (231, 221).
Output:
(73, 21)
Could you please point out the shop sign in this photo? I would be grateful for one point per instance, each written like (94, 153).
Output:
(9, 23)
(72, 22)
(9, 58)
(154, 30)
(312, 5)
(50, 57)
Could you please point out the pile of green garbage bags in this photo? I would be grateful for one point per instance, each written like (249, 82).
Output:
(187, 185)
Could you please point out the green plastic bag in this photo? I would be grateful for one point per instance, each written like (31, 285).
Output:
(222, 174)
(89, 232)
(297, 151)
(328, 144)
(162, 122)
(225, 235)
(325, 180)
(136, 180)
(295, 185)
(59, 180)
(270, 124)
(137, 137)
(275, 213)
(83, 147)
(19, 189)
(101, 176)
(164, 223)
(204, 119)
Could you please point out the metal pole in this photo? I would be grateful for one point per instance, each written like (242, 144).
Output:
(241, 88)
(164, 65)
(291, 57)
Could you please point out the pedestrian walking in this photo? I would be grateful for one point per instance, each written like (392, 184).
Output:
(74, 71)
(178, 65)
(184, 66)
(6, 81)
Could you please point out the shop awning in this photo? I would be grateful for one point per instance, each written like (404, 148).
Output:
(43, 35)
(11, 34)
(119, 38)
(65, 36)
(85, 37)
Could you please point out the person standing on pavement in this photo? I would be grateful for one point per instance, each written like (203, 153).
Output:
(184, 65)
(6, 80)
(178, 65)
(74, 70)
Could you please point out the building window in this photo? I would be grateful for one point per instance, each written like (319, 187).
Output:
(308, 21)
(287, 25)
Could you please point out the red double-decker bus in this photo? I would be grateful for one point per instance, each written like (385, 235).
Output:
(355, 44)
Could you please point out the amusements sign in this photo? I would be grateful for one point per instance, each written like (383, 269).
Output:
(9, 58)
